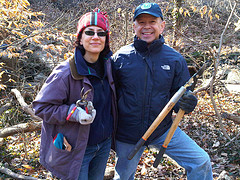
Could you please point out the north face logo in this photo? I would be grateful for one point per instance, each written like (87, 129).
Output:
(165, 67)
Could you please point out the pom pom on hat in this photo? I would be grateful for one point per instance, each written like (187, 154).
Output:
(95, 18)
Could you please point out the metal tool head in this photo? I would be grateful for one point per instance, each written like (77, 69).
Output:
(83, 101)
(200, 71)
(197, 75)
(84, 95)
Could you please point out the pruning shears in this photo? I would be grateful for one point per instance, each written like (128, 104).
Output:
(160, 118)
(88, 105)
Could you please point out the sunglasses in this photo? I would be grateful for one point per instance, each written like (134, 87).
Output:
(92, 33)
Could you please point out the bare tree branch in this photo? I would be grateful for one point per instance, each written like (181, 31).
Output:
(216, 63)
(234, 118)
(24, 127)
(24, 105)
(14, 175)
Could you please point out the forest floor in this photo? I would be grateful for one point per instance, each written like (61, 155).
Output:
(20, 153)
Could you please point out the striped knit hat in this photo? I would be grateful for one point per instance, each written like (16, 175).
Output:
(96, 18)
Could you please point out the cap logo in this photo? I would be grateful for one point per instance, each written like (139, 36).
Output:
(146, 6)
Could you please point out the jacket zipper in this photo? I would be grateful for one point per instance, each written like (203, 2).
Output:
(144, 97)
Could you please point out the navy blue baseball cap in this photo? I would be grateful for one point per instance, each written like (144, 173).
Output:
(148, 8)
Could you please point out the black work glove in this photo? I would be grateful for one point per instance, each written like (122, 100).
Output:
(188, 102)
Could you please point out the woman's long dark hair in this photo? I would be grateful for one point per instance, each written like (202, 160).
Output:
(104, 52)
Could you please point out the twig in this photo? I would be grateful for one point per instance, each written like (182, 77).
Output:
(17, 42)
(201, 89)
(216, 63)
(232, 140)
(5, 107)
(1, 141)
(231, 8)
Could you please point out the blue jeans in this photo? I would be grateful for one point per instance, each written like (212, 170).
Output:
(95, 160)
(181, 148)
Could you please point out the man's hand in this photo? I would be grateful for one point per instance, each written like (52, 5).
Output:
(188, 102)
(80, 115)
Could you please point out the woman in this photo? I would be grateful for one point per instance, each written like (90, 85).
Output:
(76, 140)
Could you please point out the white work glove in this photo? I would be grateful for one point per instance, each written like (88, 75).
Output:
(80, 115)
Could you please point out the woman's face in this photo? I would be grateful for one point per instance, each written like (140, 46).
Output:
(93, 40)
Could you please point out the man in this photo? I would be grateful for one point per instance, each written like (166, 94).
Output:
(148, 73)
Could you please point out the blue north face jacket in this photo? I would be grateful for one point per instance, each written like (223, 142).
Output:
(146, 77)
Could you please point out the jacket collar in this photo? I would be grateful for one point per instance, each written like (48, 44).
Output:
(73, 69)
(78, 66)
(142, 46)
(80, 63)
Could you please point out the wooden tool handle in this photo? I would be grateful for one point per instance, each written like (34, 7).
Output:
(164, 112)
(157, 121)
(173, 128)
(177, 120)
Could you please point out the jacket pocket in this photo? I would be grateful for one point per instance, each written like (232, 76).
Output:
(58, 159)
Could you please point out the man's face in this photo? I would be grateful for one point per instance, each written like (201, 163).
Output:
(148, 27)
